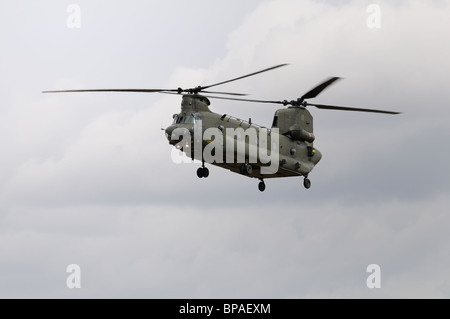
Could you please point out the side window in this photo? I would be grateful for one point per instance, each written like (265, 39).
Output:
(189, 120)
(181, 121)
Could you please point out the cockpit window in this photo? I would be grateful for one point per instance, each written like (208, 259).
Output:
(181, 120)
(184, 119)
(175, 119)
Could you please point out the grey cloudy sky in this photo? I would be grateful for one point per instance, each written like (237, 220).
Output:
(88, 179)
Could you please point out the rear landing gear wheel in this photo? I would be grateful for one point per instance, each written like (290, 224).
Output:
(202, 172)
(262, 186)
(307, 183)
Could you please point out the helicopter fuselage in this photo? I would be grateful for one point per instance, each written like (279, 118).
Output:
(286, 148)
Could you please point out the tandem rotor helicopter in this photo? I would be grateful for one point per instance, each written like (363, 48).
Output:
(292, 143)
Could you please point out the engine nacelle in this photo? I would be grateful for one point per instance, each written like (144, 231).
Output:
(299, 134)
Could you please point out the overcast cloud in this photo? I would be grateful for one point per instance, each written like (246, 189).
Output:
(88, 179)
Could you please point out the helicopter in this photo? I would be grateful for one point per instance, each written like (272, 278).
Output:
(286, 149)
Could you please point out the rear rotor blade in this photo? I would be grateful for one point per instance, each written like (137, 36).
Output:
(320, 106)
(244, 100)
(225, 93)
(355, 109)
(318, 89)
(243, 77)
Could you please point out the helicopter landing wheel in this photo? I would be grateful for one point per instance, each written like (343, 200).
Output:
(262, 186)
(246, 169)
(202, 172)
(307, 183)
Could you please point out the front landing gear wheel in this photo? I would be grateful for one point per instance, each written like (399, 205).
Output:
(262, 186)
(307, 183)
(202, 172)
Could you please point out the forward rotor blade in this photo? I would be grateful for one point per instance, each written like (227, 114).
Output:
(179, 90)
(345, 108)
(139, 91)
(318, 89)
(243, 77)
(113, 90)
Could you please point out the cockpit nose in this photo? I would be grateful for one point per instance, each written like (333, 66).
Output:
(169, 132)
(183, 126)
(175, 132)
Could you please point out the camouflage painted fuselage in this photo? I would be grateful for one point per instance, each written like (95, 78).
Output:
(296, 154)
